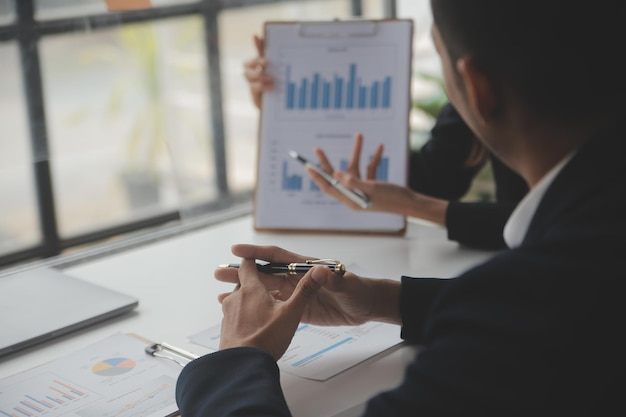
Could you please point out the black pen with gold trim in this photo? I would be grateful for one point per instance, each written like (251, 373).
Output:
(295, 268)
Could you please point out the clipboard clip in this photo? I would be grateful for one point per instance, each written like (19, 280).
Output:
(337, 28)
(173, 353)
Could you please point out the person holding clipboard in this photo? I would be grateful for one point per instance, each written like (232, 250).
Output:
(440, 173)
(333, 78)
(534, 330)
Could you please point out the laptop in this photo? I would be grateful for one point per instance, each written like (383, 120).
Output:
(42, 303)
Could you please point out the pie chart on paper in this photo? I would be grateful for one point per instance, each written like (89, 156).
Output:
(113, 366)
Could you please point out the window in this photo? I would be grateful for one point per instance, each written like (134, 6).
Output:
(114, 122)
(19, 227)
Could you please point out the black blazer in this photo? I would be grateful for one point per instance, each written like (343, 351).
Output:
(535, 330)
(438, 169)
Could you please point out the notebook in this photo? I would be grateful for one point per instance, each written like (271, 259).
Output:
(42, 303)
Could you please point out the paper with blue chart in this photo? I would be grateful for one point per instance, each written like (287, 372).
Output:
(114, 377)
(321, 352)
(332, 80)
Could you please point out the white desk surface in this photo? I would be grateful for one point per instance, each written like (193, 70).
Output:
(173, 280)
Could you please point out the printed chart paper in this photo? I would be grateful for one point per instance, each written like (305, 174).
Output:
(114, 377)
(320, 352)
(332, 80)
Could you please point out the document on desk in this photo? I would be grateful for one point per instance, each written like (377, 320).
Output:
(114, 377)
(321, 352)
(332, 80)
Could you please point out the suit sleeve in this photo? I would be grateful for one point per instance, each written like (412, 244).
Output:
(438, 168)
(243, 382)
(479, 225)
(416, 298)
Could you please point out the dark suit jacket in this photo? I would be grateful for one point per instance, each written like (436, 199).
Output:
(534, 331)
(438, 169)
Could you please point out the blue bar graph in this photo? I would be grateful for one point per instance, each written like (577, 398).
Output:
(291, 92)
(290, 182)
(315, 85)
(386, 92)
(325, 95)
(337, 92)
(294, 182)
(382, 172)
(302, 94)
(374, 95)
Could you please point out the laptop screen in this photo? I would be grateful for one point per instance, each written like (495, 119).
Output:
(42, 303)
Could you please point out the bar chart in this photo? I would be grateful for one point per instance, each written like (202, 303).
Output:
(48, 393)
(111, 378)
(292, 179)
(349, 82)
(337, 93)
(331, 81)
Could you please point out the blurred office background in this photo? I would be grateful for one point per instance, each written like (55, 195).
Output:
(118, 124)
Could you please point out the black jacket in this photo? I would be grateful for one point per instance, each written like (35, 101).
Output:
(438, 169)
(535, 330)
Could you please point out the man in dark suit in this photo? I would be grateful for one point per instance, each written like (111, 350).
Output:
(536, 330)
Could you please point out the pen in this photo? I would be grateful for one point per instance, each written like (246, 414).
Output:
(295, 268)
(356, 196)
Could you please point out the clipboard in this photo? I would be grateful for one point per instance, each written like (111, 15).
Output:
(332, 79)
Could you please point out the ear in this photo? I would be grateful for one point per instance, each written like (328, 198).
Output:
(481, 92)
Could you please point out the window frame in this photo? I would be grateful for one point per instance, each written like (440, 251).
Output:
(27, 32)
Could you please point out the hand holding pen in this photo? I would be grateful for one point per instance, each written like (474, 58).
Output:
(264, 310)
(344, 299)
(356, 196)
(329, 184)
(294, 268)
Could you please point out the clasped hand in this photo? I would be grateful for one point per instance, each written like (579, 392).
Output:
(264, 310)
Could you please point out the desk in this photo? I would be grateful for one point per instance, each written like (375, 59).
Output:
(173, 280)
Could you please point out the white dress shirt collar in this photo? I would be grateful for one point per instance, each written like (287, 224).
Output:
(517, 225)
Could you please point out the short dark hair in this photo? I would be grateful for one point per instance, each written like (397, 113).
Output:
(563, 58)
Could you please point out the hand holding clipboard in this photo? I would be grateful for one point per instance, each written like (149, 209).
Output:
(331, 79)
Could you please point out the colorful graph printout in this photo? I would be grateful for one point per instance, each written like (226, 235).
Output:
(113, 366)
(332, 81)
(112, 378)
